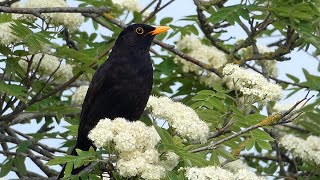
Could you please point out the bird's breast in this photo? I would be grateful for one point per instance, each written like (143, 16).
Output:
(125, 90)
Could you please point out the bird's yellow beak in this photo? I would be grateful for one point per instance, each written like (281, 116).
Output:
(159, 29)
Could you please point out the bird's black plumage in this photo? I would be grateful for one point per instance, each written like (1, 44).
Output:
(121, 86)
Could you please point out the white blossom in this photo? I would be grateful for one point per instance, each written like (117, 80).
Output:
(130, 136)
(132, 5)
(171, 161)
(204, 53)
(131, 167)
(217, 173)
(102, 133)
(6, 36)
(69, 20)
(183, 119)
(245, 174)
(135, 143)
(210, 55)
(153, 172)
(79, 95)
(208, 173)
(307, 150)
(236, 165)
(143, 163)
(251, 83)
(48, 65)
(27, 17)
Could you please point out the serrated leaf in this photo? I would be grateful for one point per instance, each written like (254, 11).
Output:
(200, 97)
(264, 144)
(214, 158)
(222, 152)
(261, 135)
(166, 21)
(250, 144)
(18, 162)
(60, 160)
(206, 92)
(172, 176)
(68, 168)
(293, 78)
(94, 177)
(6, 168)
(23, 146)
(13, 89)
(164, 135)
(192, 159)
(217, 103)
(78, 162)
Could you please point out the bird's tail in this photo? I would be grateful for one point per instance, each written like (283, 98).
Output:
(74, 170)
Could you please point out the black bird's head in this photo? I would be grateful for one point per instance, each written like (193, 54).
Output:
(139, 36)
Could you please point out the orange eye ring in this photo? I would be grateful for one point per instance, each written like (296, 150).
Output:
(139, 30)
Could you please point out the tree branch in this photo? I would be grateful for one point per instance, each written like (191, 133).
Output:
(37, 11)
(283, 117)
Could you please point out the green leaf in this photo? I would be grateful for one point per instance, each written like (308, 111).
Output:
(214, 158)
(200, 97)
(68, 168)
(23, 146)
(61, 109)
(271, 168)
(192, 158)
(164, 135)
(166, 21)
(4, 17)
(264, 144)
(217, 103)
(78, 162)
(6, 168)
(206, 92)
(261, 135)
(13, 89)
(60, 160)
(293, 78)
(94, 177)
(250, 144)
(77, 56)
(18, 162)
(222, 152)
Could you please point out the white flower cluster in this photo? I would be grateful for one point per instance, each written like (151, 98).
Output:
(251, 83)
(183, 119)
(128, 136)
(308, 150)
(132, 5)
(48, 65)
(6, 36)
(172, 160)
(269, 64)
(79, 95)
(69, 20)
(135, 143)
(236, 165)
(207, 54)
(217, 173)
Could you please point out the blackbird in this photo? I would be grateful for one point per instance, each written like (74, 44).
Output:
(121, 86)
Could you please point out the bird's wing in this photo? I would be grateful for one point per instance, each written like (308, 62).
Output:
(93, 91)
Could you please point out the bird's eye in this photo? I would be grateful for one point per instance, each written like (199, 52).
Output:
(139, 30)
